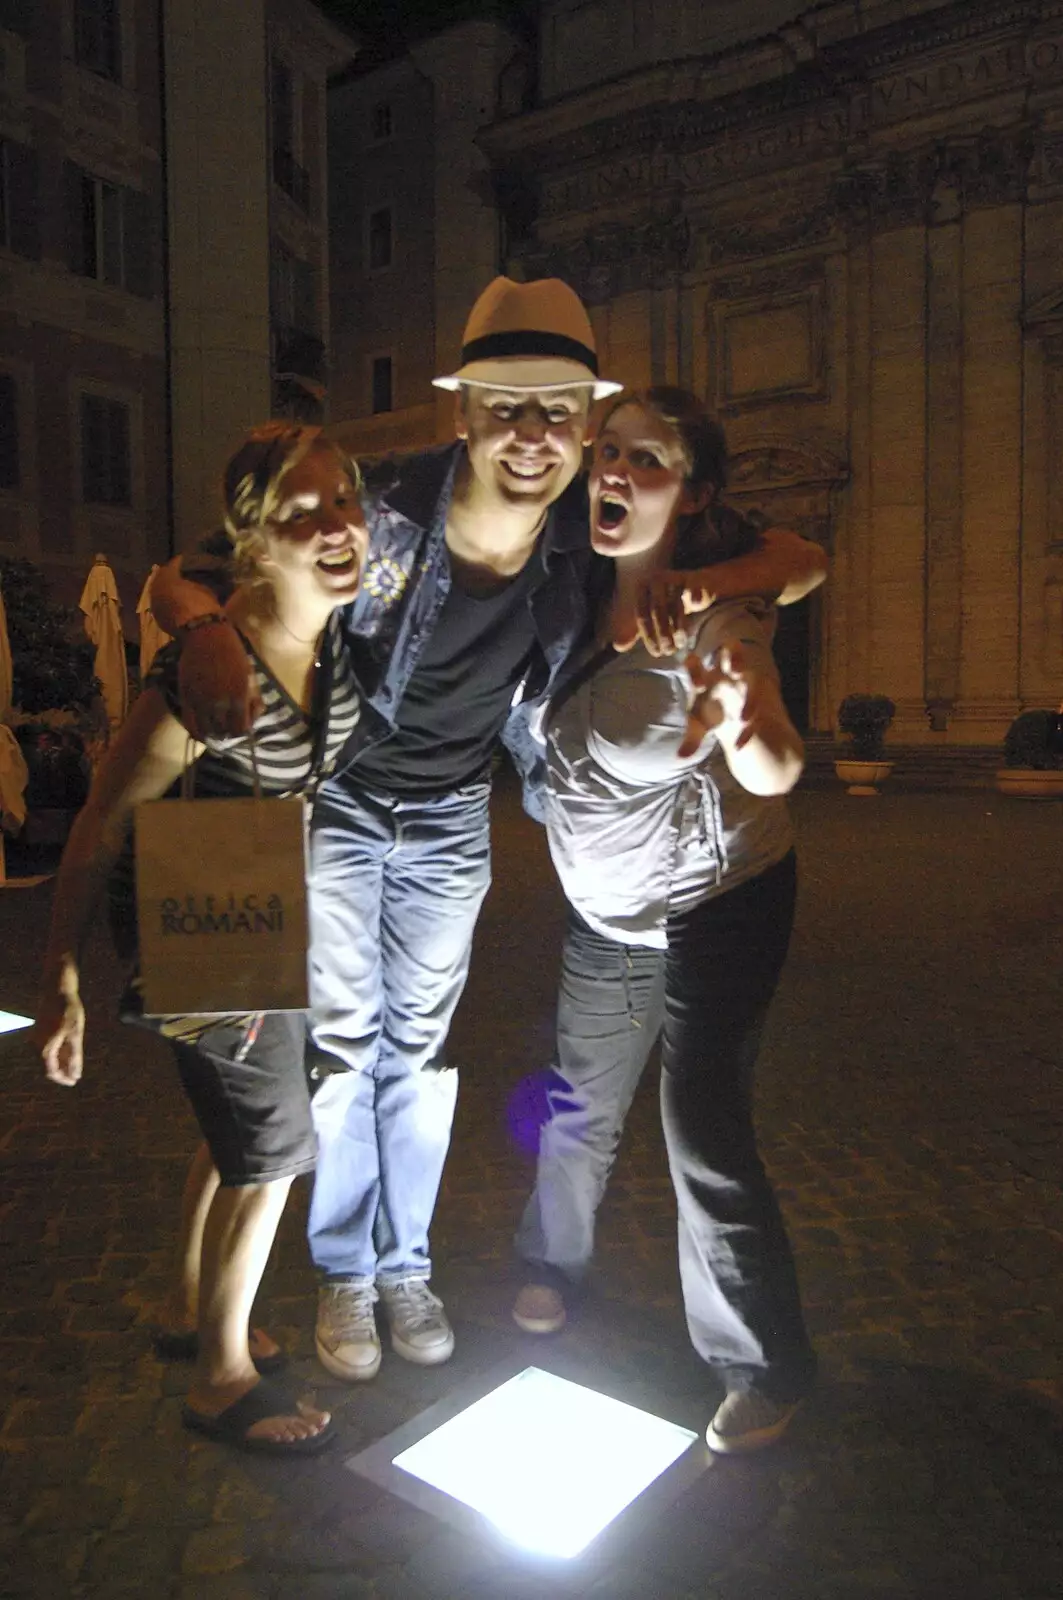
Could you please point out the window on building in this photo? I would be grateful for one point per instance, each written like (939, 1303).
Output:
(106, 472)
(98, 37)
(288, 173)
(19, 217)
(17, 16)
(380, 121)
(381, 383)
(380, 243)
(110, 232)
(10, 473)
(293, 290)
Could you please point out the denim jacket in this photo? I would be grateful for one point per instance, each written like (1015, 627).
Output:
(406, 582)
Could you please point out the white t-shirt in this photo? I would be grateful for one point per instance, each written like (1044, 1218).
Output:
(637, 834)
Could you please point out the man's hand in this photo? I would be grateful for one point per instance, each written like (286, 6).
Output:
(218, 694)
(729, 691)
(662, 605)
(59, 1032)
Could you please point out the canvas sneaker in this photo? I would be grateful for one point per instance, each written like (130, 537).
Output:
(539, 1308)
(346, 1339)
(747, 1420)
(420, 1331)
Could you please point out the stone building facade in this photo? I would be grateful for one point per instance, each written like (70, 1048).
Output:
(154, 161)
(415, 231)
(843, 224)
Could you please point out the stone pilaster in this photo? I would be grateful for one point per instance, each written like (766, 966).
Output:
(218, 225)
(992, 425)
(944, 468)
(464, 64)
(898, 474)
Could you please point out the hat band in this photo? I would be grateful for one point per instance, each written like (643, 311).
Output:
(527, 342)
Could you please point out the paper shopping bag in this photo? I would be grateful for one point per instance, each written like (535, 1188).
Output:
(221, 905)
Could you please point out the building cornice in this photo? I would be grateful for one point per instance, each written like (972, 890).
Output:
(750, 83)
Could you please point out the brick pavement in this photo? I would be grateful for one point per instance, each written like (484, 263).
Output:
(911, 1108)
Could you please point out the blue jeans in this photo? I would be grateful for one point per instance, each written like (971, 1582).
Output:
(708, 994)
(396, 887)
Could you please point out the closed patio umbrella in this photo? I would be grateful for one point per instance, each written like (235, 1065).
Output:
(152, 637)
(103, 624)
(6, 670)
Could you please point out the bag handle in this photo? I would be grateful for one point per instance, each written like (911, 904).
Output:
(188, 772)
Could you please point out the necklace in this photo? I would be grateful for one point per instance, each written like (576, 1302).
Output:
(315, 642)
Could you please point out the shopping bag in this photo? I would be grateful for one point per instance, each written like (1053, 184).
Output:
(221, 905)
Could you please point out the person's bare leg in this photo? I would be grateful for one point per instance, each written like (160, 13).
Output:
(181, 1311)
(201, 1185)
(238, 1236)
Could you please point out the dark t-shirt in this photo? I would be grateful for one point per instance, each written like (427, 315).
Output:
(458, 697)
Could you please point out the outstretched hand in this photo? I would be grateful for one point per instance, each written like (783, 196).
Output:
(59, 1032)
(728, 691)
(218, 694)
(662, 604)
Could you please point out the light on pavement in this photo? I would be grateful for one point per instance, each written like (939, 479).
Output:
(548, 1462)
(10, 1021)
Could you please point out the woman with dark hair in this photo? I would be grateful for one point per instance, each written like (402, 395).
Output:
(293, 516)
(668, 828)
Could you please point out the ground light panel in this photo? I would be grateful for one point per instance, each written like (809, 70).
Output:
(548, 1462)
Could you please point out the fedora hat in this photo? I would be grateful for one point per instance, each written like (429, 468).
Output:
(528, 336)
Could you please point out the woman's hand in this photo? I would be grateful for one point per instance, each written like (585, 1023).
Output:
(742, 703)
(662, 604)
(218, 694)
(727, 692)
(59, 1030)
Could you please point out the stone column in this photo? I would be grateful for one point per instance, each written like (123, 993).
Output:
(992, 416)
(217, 176)
(944, 482)
(898, 485)
(464, 64)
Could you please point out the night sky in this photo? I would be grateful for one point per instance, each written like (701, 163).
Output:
(387, 24)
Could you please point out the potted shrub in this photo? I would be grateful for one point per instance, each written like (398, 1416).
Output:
(54, 693)
(1033, 756)
(864, 718)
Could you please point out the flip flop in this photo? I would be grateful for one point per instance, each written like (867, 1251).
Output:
(169, 1345)
(267, 1399)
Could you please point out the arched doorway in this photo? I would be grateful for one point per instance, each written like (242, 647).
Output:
(789, 483)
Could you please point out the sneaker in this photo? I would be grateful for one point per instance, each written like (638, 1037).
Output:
(539, 1309)
(420, 1331)
(747, 1420)
(346, 1339)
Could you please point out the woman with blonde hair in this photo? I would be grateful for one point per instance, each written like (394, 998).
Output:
(293, 515)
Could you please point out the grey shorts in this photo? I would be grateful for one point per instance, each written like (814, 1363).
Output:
(247, 1083)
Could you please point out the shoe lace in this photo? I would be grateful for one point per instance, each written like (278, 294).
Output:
(415, 1304)
(350, 1309)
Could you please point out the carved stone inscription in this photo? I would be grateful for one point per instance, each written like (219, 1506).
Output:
(901, 96)
(737, 152)
(906, 94)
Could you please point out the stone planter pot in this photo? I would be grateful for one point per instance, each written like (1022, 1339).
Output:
(1031, 783)
(861, 777)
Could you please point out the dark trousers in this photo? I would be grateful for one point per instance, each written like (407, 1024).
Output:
(708, 993)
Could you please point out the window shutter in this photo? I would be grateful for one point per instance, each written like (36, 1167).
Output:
(139, 241)
(17, 15)
(23, 218)
(10, 476)
(80, 212)
(304, 295)
(119, 476)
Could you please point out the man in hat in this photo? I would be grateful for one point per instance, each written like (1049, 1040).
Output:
(475, 593)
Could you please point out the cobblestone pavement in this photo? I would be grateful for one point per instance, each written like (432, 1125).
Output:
(911, 1110)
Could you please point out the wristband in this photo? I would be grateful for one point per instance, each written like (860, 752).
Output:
(206, 619)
